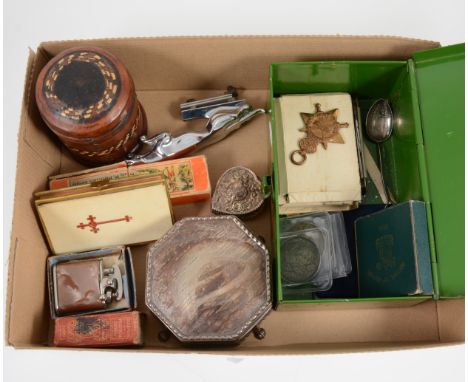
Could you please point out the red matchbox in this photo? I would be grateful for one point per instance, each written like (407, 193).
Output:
(99, 330)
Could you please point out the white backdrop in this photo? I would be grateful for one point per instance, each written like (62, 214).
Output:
(27, 23)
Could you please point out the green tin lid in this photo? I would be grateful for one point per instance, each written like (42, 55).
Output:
(440, 78)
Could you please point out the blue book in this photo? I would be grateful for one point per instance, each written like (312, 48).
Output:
(393, 252)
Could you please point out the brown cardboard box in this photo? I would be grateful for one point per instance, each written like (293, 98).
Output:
(168, 71)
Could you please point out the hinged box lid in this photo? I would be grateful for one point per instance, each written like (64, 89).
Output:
(208, 280)
(127, 211)
(440, 90)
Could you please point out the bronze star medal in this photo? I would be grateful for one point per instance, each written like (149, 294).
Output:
(321, 127)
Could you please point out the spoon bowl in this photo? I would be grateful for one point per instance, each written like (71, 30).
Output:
(379, 121)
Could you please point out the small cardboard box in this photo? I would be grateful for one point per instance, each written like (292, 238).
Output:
(84, 218)
(99, 330)
(186, 178)
(165, 74)
(120, 254)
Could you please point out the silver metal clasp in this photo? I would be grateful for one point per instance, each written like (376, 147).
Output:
(225, 114)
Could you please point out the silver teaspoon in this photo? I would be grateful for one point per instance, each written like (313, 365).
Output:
(379, 128)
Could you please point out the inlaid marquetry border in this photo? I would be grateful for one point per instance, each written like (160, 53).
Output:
(115, 147)
(109, 96)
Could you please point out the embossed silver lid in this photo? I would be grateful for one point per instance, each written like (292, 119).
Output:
(238, 192)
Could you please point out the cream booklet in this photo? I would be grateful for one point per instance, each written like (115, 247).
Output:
(317, 153)
(84, 218)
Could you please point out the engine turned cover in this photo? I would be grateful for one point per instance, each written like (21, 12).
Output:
(208, 280)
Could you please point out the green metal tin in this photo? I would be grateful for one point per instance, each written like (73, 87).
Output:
(423, 160)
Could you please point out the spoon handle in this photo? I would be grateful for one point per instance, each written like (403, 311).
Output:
(388, 200)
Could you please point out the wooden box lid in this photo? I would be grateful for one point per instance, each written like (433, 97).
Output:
(208, 280)
(83, 92)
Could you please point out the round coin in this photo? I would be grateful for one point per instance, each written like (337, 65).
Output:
(300, 260)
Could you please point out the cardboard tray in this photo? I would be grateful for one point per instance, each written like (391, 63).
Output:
(166, 72)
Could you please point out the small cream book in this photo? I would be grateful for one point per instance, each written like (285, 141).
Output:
(317, 154)
(129, 211)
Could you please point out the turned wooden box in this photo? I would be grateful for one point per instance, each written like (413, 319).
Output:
(208, 280)
(87, 98)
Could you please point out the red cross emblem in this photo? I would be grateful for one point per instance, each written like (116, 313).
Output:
(93, 224)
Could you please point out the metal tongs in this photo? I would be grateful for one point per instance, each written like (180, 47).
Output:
(225, 114)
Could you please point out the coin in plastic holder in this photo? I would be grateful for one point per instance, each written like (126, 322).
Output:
(333, 223)
(300, 260)
(305, 260)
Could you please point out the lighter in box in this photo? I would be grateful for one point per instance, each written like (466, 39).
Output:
(84, 285)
